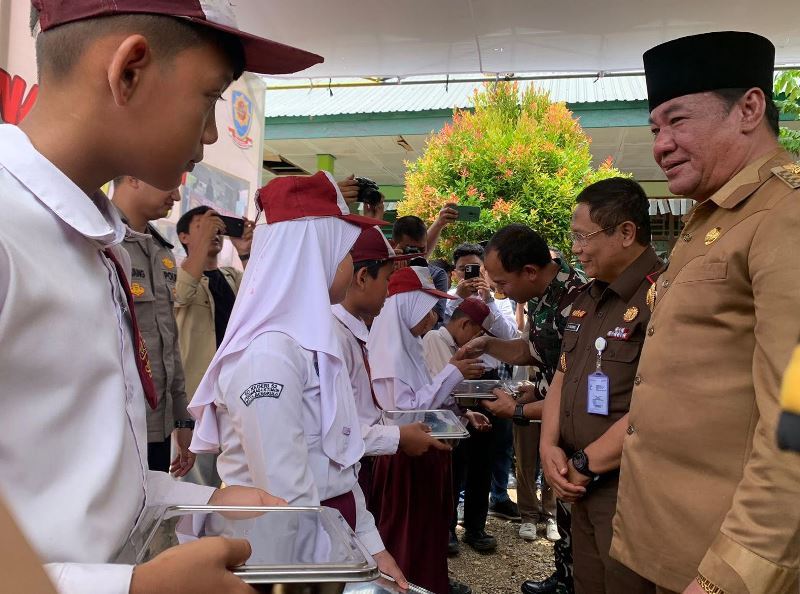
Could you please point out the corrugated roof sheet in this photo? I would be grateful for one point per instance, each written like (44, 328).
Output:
(318, 101)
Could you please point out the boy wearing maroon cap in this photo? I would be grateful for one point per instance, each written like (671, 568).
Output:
(125, 88)
(373, 263)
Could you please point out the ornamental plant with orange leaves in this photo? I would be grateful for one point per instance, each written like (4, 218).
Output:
(519, 156)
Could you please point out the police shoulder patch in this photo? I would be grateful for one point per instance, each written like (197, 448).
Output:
(261, 390)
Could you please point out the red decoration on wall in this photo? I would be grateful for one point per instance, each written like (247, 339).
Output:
(14, 105)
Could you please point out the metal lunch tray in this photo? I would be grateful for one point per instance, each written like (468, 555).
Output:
(291, 545)
(444, 424)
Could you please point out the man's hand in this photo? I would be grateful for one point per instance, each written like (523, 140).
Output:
(349, 189)
(503, 407)
(479, 420)
(388, 566)
(575, 477)
(415, 440)
(446, 216)
(245, 496)
(475, 347)
(556, 468)
(204, 231)
(694, 588)
(468, 287)
(184, 461)
(245, 242)
(199, 567)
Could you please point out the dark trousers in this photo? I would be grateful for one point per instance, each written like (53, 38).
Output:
(595, 572)
(562, 549)
(502, 460)
(158, 454)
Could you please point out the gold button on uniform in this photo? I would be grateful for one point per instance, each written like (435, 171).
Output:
(687, 237)
(665, 284)
(630, 430)
(651, 331)
(637, 380)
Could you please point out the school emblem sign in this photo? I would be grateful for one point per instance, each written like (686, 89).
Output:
(242, 112)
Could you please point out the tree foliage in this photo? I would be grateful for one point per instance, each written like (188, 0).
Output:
(787, 98)
(520, 157)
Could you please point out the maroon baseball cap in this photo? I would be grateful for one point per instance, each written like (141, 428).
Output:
(414, 278)
(475, 309)
(371, 245)
(262, 56)
(297, 197)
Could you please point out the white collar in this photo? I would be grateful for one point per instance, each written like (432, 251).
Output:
(447, 337)
(352, 323)
(92, 217)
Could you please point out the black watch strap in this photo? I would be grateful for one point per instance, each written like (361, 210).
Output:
(581, 463)
(519, 415)
(184, 424)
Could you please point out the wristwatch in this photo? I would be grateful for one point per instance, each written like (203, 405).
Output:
(581, 463)
(184, 424)
(519, 416)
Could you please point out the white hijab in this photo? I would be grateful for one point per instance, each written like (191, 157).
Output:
(393, 351)
(285, 289)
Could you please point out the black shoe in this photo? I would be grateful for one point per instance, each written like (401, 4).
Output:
(459, 588)
(507, 510)
(480, 541)
(453, 548)
(547, 586)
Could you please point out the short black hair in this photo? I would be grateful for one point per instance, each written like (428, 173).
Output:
(615, 200)
(186, 220)
(411, 227)
(373, 267)
(58, 50)
(730, 96)
(518, 246)
(443, 264)
(467, 249)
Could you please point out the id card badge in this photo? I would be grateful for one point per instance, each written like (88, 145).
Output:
(597, 403)
(597, 396)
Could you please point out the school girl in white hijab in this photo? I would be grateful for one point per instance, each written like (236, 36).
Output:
(276, 397)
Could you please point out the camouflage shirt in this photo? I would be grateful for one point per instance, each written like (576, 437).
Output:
(547, 317)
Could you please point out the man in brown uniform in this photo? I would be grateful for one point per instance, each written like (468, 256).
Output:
(585, 412)
(707, 501)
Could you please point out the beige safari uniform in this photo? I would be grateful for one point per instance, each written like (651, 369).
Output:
(153, 278)
(194, 311)
(703, 486)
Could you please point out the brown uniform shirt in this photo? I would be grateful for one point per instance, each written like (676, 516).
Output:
(618, 312)
(703, 485)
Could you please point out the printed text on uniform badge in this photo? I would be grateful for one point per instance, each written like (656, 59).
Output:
(261, 390)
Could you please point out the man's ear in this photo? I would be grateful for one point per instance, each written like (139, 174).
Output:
(125, 71)
(628, 230)
(530, 271)
(753, 106)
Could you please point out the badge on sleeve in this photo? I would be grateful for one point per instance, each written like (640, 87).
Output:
(261, 390)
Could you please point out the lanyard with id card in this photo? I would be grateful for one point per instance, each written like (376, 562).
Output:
(599, 385)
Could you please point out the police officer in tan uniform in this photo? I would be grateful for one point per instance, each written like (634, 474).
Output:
(585, 412)
(153, 278)
(707, 500)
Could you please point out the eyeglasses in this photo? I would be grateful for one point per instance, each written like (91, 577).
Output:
(583, 240)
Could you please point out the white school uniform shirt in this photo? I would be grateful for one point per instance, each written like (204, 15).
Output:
(439, 346)
(73, 445)
(379, 439)
(268, 412)
(502, 322)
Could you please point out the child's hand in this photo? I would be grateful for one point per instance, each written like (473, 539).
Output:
(479, 420)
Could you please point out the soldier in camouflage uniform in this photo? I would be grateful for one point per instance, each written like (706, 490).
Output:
(521, 266)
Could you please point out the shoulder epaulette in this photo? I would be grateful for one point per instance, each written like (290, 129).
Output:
(789, 174)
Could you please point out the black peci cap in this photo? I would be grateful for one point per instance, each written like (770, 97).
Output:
(707, 62)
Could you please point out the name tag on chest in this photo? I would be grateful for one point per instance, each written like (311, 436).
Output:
(597, 398)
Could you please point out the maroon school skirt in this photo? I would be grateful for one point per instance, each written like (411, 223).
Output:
(412, 501)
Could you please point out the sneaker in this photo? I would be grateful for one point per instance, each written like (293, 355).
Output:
(457, 587)
(552, 530)
(453, 548)
(507, 510)
(480, 541)
(527, 531)
(460, 513)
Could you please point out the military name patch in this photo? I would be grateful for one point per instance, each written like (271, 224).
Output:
(572, 327)
(262, 390)
(138, 273)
